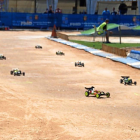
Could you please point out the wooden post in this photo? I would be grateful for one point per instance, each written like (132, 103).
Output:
(16, 6)
(76, 4)
(34, 6)
(120, 34)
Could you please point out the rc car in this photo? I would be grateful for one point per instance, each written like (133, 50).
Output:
(127, 81)
(97, 93)
(38, 47)
(17, 72)
(79, 64)
(2, 57)
(59, 53)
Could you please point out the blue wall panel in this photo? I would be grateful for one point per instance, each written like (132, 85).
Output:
(72, 21)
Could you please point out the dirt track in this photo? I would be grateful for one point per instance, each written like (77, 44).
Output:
(49, 102)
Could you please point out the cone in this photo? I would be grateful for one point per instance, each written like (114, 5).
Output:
(54, 35)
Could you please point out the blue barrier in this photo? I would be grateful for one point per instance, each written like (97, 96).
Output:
(134, 55)
(135, 52)
(70, 21)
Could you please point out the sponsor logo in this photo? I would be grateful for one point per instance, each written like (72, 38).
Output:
(25, 23)
(75, 24)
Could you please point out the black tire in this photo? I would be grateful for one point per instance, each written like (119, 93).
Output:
(135, 83)
(23, 73)
(14, 74)
(83, 64)
(121, 81)
(56, 53)
(11, 72)
(125, 83)
(75, 64)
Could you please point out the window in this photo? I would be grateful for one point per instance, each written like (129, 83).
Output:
(82, 3)
(134, 5)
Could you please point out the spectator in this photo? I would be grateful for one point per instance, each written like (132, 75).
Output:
(46, 12)
(106, 12)
(58, 10)
(50, 10)
(113, 12)
(96, 12)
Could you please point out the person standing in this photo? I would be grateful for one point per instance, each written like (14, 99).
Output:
(50, 10)
(113, 12)
(46, 12)
(106, 12)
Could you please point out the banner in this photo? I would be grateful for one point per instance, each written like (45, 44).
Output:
(70, 21)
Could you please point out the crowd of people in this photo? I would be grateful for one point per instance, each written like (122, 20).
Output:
(51, 11)
(83, 12)
(106, 12)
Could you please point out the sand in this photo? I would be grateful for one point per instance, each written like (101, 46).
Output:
(49, 102)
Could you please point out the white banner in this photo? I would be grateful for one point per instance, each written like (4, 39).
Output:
(138, 7)
(91, 6)
(88, 6)
(53, 3)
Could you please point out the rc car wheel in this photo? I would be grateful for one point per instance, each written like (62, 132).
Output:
(11, 72)
(107, 94)
(23, 73)
(56, 53)
(83, 64)
(124, 83)
(75, 64)
(86, 93)
(121, 81)
(135, 83)
(97, 95)
(14, 74)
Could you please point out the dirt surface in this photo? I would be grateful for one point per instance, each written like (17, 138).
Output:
(49, 102)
